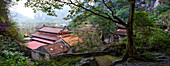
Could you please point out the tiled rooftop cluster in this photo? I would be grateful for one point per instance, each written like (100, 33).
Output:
(47, 38)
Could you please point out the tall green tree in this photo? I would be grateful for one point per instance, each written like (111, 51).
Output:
(103, 26)
(82, 9)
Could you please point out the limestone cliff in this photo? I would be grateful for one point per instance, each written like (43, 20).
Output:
(149, 4)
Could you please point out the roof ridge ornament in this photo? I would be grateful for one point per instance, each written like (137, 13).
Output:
(63, 28)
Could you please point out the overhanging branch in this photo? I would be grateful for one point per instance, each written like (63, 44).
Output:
(119, 21)
(115, 17)
(107, 6)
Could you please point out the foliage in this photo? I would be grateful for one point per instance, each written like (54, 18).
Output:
(160, 12)
(98, 26)
(142, 20)
(154, 17)
(142, 24)
(3, 26)
(11, 30)
(161, 8)
(9, 54)
(80, 10)
(123, 13)
(69, 61)
(103, 26)
(164, 18)
(147, 35)
(70, 27)
(62, 62)
(13, 59)
(2, 20)
(9, 40)
(159, 39)
(148, 56)
(6, 43)
(91, 41)
(107, 56)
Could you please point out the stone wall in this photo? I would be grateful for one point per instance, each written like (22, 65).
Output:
(39, 55)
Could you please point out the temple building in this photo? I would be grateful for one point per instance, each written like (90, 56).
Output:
(50, 41)
(119, 34)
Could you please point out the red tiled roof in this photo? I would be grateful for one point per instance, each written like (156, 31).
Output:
(56, 48)
(65, 35)
(50, 29)
(72, 40)
(48, 36)
(43, 40)
(119, 32)
(34, 44)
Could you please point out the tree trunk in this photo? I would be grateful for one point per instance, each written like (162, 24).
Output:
(103, 38)
(130, 48)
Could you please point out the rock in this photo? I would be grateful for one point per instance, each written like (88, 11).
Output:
(162, 57)
(88, 62)
(119, 65)
(159, 54)
(115, 62)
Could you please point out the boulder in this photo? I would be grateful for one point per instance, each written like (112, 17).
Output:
(87, 62)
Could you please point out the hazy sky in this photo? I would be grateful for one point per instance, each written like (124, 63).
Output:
(22, 9)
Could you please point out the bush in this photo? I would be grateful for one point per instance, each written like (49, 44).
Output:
(9, 58)
(91, 41)
(164, 18)
(148, 56)
(159, 39)
(161, 8)
(9, 40)
(9, 29)
(62, 62)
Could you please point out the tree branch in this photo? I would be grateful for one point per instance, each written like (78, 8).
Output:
(107, 6)
(85, 9)
(119, 21)
(115, 17)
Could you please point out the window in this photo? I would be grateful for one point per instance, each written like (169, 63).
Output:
(51, 49)
(61, 46)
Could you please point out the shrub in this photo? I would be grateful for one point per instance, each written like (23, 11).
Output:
(91, 41)
(159, 39)
(9, 58)
(161, 8)
(62, 62)
(164, 18)
(148, 56)
(9, 29)
(9, 40)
